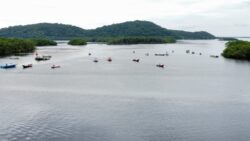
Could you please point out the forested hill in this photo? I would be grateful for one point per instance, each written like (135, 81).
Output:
(43, 30)
(126, 29)
(134, 28)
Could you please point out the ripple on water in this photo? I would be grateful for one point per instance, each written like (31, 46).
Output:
(41, 126)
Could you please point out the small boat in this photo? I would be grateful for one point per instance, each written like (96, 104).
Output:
(193, 52)
(27, 66)
(159, 54)
(136, 60)
(43, 58)
(96, 61)
(90, 54)
(8, 66)
(187, 51)
(160, 65)
(109, 59)
(47, 56)
(214, 56)
(14, 58)
(200, 53)
(55, 66)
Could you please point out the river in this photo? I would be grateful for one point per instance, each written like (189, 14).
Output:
(194, 98)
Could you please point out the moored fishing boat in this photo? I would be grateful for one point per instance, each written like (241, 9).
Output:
(14, 58)
(160, 65)
(160, 54)
(55, 66)
(8, 66)
(214, 56)
(27, 66)
(96, 60)
(43, 58)
(109, 59)
(47, 56)
(136, 60)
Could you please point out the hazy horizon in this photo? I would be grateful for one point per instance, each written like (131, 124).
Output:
(218, 17)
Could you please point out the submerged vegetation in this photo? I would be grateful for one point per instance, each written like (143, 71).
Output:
(77, 42)
(15, 46)
(237, 50)
(44, 42)
(141, 40)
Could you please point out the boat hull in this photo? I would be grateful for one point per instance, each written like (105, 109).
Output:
(8, 66)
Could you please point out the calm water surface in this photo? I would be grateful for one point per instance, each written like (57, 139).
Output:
(195, 98)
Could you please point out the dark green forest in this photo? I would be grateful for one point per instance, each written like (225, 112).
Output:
(237, 50)
(140, 40)
(126, 29)
(43, 31)
(77, 42)
(227, 39)
(15, 46)
(44, 42)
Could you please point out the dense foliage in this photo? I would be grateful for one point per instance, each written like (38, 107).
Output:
(192, 35)
(126, 29)
(43, 30)
(237, 50)
(145, 29)
(77, 42)
(135, 28)
(44, 42)
(15, 46)
(140, 40)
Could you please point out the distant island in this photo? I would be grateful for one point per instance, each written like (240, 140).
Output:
(77, 42)
(237, 50)
(227, 38)
(140, 40)
(126, 29)
(44, 42)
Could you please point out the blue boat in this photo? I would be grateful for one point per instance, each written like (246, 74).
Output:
(8, 66)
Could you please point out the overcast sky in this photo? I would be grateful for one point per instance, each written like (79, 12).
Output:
(219, 17)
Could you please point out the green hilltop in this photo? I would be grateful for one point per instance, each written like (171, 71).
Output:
(43, 31)
(127, 29)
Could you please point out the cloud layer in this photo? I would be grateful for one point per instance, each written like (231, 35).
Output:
(220, 17)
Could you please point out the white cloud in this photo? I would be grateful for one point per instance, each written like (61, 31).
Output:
(183, 14)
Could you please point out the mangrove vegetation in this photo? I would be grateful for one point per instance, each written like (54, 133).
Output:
(237, 50)
(15, 46)
(140, 40)
(77, 42)
(44, 42)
